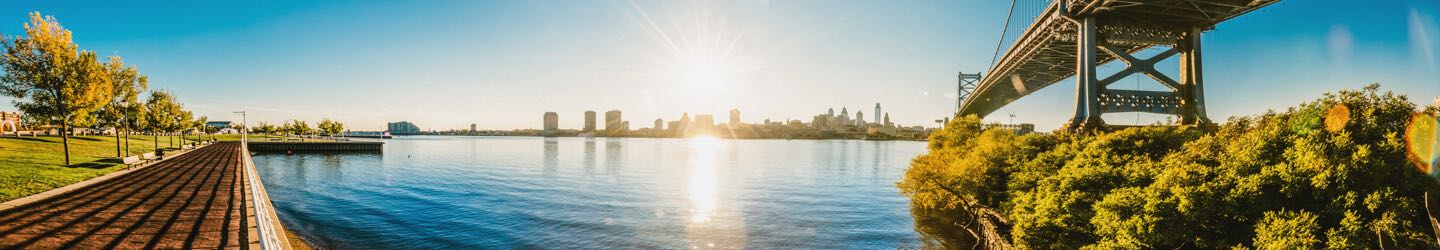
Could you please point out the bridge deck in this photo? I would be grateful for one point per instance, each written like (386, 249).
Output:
(196, 200)
(1045, 53)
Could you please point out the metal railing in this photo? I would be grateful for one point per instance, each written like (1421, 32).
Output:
(266, 221)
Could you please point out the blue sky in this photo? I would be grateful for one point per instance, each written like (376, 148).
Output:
(502, 64)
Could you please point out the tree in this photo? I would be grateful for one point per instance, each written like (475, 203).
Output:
(183, 125)
(297, 127)
(1332, 173)
(329, 127)
(200, 127)
(162, 113)
(263, 128)
(126, 84)
(50, 77)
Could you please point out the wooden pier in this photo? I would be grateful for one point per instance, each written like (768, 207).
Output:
(342, 146)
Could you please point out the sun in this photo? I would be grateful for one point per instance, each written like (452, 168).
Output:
(704, 76)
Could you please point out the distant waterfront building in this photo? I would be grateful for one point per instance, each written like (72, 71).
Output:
(859, 119)
(612, 121)
(684, 123)
(218, 124)
(625, 126)
(877, 112)
(1437, 102)
(887, 120)
(659, 124)
(589, 121)
(10, 122)
(552, 123)
(734, 117)
(1023, 128)
(672, 125)
(402, 128)
(472, 127)
(703, 123)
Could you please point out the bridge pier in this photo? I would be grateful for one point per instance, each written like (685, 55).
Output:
(1087, 86)
(1192, 91)
(1094, 97)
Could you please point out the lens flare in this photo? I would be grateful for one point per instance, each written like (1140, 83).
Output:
(1422, 137)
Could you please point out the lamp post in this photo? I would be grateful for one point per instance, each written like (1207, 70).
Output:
(244, 128)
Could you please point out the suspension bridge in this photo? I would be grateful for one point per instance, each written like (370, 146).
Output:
(1065, 38)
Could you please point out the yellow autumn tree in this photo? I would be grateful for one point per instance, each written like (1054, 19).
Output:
(51, 79)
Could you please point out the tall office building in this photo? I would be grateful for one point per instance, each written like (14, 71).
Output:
(589, 121)
(659, 124)
(684, 125)
(552, 123)
(887, 120)
(703, 123)
(472, 127)
(877, 112)
(612, 121)
(859, 119)
(734, 117)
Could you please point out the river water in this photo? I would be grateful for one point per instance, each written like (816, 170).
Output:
(462, 192)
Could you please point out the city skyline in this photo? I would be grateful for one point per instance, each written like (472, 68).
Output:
(465, 62)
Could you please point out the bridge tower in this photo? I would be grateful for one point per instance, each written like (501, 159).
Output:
(1120, 41)
(966, 87)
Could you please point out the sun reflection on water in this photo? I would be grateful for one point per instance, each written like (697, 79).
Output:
(702, 177)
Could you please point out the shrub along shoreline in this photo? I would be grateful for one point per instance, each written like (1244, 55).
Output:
(1332, 173)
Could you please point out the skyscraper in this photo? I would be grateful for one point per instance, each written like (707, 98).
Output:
(734, 117)
(887, 120)
(703, 123)
(877, 112)
(472, 127)
(659, 124)
(589, 121)
(859, 119)
(552, 123)
(612, 121)
(684, 126)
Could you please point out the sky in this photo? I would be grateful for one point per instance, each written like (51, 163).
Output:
(502, 64)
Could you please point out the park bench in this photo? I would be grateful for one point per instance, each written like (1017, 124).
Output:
(131, 161)
(148, 156)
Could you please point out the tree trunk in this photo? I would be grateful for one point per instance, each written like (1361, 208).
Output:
(117, 144)
(156, 135)
(127, 142)
(65, 139)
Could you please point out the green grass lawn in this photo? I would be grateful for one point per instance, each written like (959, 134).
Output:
(30, 165)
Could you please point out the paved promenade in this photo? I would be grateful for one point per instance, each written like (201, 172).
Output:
(196, 200)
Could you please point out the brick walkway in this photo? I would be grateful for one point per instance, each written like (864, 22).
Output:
(196, 200)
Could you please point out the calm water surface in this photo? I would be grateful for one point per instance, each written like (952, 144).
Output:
(454, 192)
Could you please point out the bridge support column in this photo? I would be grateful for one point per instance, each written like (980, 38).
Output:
(1191, 91)
(1087, 87)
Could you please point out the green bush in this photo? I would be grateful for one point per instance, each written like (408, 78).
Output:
(1330, 173)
